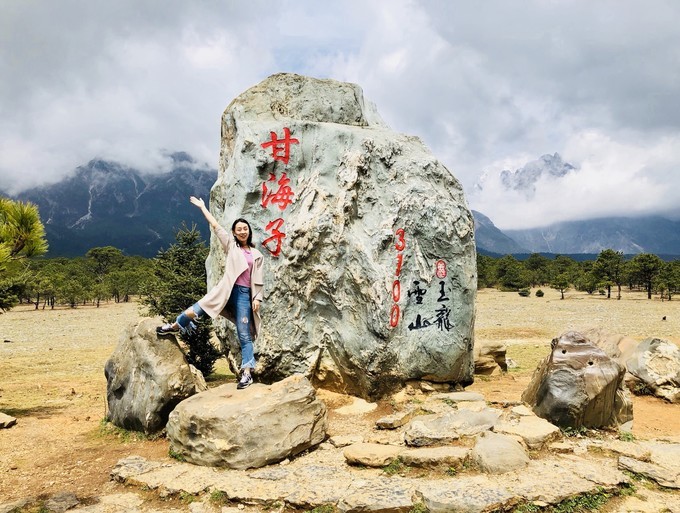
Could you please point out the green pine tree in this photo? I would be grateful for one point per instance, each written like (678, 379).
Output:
(178, 281)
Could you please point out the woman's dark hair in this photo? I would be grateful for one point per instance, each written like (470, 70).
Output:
(250, 231)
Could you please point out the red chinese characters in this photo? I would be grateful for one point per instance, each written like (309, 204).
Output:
(281, 196)
(276, 237)
(399, 245)
(280, 147)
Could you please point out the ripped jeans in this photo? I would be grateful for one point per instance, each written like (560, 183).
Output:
(239, 302)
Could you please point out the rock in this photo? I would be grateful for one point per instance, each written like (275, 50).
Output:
(655, 365)
(323, 479)
(61, 502)
(534, 431)
(369, 244)
(434, 456)
(387, 495)
(146, 377)
(456, 397)
(132, 466)
(469, 495)
(248, 428)
(561, 447)
(6, 421)
(340, 441)
(490, 357)
(619, 447)
(15, 506)
(371, 455)
(522, 411)
(615, 345)
(396, 420)
(659, 461)
(655, 472)
(357, 407)
(497, 454)
(578, 385)
(445, 428)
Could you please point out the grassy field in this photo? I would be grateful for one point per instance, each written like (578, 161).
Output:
(52, 378)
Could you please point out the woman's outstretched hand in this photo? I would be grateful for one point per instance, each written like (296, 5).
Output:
(197, 201)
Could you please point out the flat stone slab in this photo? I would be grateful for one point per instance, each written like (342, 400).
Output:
(458, 397)
(371, 455)
(662, 464)
(323, 477)
(535, 431)
(396, 420)
(448, 456)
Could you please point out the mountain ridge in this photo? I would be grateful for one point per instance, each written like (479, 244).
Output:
(107, 204)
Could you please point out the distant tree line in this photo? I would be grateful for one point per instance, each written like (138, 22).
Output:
(165, 284)
(103, 274)
(610, 270)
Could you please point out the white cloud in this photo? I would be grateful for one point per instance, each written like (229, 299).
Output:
(488, 86)
(614, 179)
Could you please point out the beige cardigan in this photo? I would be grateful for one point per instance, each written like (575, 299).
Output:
(214, 303)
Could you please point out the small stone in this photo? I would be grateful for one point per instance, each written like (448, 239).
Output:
(498, 454)
(6, 421)
(371, 455)
(522, 411)
(434, 456)
(357, 407)
(61, 502)
(345, 440)
(561, 447)
(457, 397)
(395, 420)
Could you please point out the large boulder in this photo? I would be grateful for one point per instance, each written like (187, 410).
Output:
(654, 366)
(578, 385)
(146, 377)
(370, 271)
(250, 428)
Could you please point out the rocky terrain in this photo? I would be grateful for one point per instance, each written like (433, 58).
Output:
(52, 381)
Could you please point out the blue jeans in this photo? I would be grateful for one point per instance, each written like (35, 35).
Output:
(239, 302)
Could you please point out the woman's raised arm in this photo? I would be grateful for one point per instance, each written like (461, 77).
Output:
(201, 204)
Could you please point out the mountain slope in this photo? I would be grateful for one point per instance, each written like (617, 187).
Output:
(106, 204)
(652, 234)
(490, 239)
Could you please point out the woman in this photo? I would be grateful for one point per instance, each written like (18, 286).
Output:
(237, 296)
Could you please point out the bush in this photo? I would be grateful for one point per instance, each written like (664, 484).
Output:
(539, 293)
(524, 292)
(178, 281)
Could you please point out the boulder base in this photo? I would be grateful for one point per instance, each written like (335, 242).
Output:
(146, 377)
(250, 428)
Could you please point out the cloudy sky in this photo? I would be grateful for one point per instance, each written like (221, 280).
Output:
(487, 85)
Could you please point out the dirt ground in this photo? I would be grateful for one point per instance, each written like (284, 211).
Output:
(52, 379)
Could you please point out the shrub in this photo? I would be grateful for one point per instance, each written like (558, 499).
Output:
(539, 293)
(524, 292)
(178, 281)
